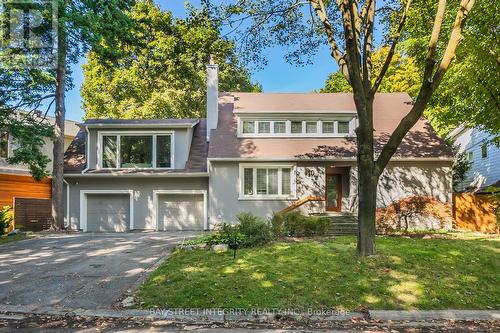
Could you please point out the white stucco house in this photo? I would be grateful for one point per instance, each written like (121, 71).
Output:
(257, 152)
(482, 153)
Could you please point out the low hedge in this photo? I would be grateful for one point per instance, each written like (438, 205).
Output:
(252, 230)
(294, 224)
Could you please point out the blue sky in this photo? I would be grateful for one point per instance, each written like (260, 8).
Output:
(277, 76)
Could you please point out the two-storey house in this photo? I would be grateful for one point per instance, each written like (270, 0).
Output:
(257, 152)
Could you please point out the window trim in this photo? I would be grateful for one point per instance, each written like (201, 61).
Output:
(288, 125)
(8, 145)
(254, 166)
(119, 134)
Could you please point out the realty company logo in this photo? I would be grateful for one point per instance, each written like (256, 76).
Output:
(28, 33)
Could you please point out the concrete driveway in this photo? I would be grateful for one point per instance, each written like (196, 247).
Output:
(80, 270)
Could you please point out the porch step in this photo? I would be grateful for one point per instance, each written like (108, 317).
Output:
(338, 229)
(343, 224)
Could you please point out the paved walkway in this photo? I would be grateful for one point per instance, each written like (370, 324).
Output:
(89, 271)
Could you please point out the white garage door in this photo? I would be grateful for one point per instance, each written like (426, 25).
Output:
(108, 212)
(180, 212)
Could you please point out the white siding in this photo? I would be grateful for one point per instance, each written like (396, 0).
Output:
(484, 171)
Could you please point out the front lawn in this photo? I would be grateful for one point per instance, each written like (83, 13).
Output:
(458, 273)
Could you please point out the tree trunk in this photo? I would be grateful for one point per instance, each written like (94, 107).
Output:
(367, 188)
(367, 180)
(58, 150)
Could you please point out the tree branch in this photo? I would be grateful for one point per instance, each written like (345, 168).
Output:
(392, 50)
(319, 9)
(455, 38)
(368, 18)
(436, 29)
(428, 87)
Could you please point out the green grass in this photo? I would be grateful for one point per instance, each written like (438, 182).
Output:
(7, 239)
(460, 273)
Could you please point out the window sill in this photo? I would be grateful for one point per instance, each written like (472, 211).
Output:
(269, 198)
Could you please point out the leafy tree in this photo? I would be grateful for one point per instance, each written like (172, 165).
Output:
(81, 24)
(403, 75)
(347, 26)
(470, 92)
(161, 72)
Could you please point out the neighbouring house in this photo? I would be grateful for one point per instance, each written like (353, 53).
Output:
(475, 207)
(483, 155)
(257, 152)
(29, 198)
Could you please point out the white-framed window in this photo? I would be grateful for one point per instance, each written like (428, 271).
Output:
(264, 127)
(295, 127)
(343, 127)
(135, 150)
(248, 126)
(328, 127)
(469, 156)
(311, 127)
(271, 181)
(484, 150)
(4, 144)
(279, 127)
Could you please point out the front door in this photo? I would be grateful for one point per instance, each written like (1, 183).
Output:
(333, 193)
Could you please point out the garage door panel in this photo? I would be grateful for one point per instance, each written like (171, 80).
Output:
(108, 212)
(181, 211)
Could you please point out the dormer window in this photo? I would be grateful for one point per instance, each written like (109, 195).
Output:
(135, 150)
(343, 127)
(248, 126)
(311, 127)
(280, 127)
(328, 127)
(296, 127)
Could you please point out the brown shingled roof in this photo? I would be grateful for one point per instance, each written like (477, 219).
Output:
(389, 109)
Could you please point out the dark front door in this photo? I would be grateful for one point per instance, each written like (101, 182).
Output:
(333, 193)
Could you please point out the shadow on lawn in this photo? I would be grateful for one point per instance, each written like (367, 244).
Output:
(407, 274)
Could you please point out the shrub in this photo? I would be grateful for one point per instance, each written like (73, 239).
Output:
(255, 230)
(414, 212)
(294, 224)
(6, 219)
(227, 235)
(316, 225)
(278, 228)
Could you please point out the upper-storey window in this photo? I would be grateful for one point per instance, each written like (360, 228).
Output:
(4, 144)
(484, 150)
(136, 150)
(296, 127)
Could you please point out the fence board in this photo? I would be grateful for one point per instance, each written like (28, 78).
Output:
(475, 212)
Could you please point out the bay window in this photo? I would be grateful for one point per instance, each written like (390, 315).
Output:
(266, 181)
(139, 151)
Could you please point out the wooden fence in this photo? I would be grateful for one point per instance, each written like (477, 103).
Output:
(475, 212)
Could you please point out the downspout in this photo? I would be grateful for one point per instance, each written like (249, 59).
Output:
(87, 151)
(68, 224)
